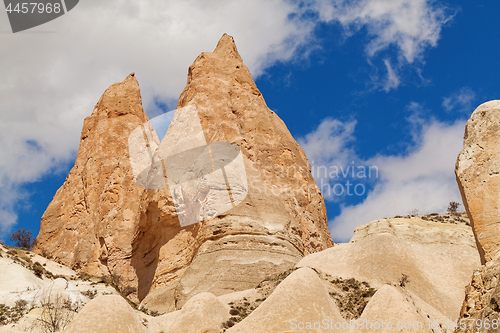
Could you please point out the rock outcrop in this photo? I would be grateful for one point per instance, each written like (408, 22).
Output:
(301, 302)
(438, 259)
(102, 222)
(478, 176)
(90, 224)
(106, 314)
(395, 309)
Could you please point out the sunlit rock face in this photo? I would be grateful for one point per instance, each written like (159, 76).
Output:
(478, 176)
(225, 199)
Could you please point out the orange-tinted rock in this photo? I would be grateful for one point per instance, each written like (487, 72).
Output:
(89, 225)
(101, 221)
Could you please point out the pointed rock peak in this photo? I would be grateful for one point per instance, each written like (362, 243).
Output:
(227, 47)
(122, 98)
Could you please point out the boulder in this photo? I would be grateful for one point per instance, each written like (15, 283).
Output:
(299, 302)
(394, 309)
(203, 313)
(478, 177)
(106, 314)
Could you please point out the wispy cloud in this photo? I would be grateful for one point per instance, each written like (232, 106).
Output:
(411, 26)
(392, 81)
(460, 101)
(327, 149)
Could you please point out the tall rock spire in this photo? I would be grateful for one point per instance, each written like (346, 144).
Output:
(89, 223)
(283, 217)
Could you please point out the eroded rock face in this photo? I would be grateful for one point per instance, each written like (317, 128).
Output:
(100, 221)
(438, 259)
(478, 176)
(283, 216)
(90, 223)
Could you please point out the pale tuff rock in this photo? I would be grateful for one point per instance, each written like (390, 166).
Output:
(283, 216)
(90, 224)
(101, 222)
(394, 309)
(202, 313)
(478, 176)
(106, 314)
(482, 298)
(437, 257)
(300, 298)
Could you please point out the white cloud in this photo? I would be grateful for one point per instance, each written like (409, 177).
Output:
(55, 73)
(327, 151)
(392, 81)
(411, 26)
(421, 179)
(460, 101)
(424, 180)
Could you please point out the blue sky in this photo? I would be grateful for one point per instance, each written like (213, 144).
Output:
(387, 84)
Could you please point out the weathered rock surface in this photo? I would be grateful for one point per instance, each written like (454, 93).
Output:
(90, 224)
(100, 221)
(438, 259)
(106, 314)
(299, 300)
(394, 309)
(202, 313)
(478, 176)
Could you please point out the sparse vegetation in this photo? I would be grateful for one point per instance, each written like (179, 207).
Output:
(90, 293)
(128, 290)
(9, 315)
(152, 313)
(38, 269)
(453, 207)
(57, 312)
(22, 238)
(404, 280)
(351, 296)
(240, 310)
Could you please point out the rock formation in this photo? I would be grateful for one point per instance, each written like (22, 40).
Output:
(106, 314)
(478, 176)
(90, 223)
(102, 222)
(438, 259)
